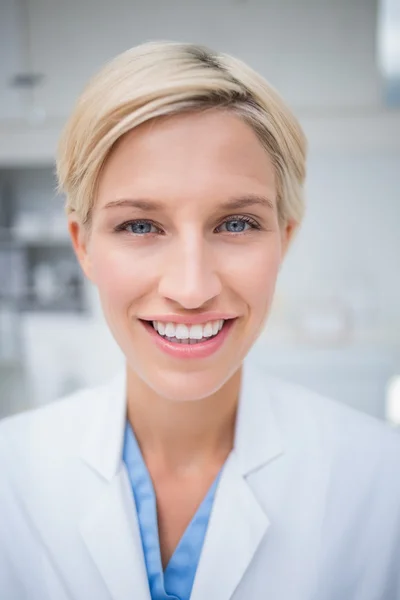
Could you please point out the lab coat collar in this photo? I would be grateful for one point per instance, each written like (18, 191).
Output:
(238, 522)
(258, 439)
(110, 527)
(102, 446)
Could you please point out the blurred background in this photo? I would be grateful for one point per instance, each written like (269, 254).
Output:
(335, 323)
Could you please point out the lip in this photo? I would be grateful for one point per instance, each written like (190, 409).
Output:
(190, 351)
(201, 318)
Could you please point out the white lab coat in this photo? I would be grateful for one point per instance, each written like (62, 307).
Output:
(308, 506)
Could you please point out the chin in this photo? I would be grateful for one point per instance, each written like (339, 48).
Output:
(188, 386)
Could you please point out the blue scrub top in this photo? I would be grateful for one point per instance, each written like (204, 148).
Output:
(176, 582)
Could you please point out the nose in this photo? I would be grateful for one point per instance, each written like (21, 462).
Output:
(189, 275)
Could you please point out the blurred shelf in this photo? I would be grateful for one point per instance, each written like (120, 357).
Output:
(61, 305)
(10, 364)
(11, 238)
(69, 300)
(13, 242)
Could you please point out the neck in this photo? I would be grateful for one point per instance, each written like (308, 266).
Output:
(182, 436)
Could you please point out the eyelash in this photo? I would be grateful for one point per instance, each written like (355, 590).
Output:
(242, 218)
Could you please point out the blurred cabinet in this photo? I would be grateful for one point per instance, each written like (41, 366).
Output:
(38, 268)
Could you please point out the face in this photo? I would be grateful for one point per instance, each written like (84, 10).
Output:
(185, 247)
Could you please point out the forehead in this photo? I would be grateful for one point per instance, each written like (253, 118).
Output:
(187, 153)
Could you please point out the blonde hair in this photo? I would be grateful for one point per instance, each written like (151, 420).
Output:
(164, 78)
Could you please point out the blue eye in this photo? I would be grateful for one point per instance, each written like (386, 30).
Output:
(234, 225)
(238, 225)
(138, 227)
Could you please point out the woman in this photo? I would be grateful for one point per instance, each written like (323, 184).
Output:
(191, 474)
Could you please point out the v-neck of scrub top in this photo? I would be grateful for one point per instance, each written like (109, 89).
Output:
(176, 582)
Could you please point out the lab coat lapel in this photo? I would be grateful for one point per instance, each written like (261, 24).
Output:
(110, 529)
(113, 539)
(238, 522)
(236, 528)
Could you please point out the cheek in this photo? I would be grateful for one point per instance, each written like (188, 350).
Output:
(118, 275)
(253, 275)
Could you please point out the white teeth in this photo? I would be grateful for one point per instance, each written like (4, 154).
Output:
(170, 330)
(208, 330)
(196, 332)
(188, 332)
(160, 327)
(181, 332)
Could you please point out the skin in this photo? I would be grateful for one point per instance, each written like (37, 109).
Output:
(187, 261)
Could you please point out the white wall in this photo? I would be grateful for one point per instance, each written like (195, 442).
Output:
(319, 53)
(11, 52)
(350, 238)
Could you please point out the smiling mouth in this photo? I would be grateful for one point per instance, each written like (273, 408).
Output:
(188, 334)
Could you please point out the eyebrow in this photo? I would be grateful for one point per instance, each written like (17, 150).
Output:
(234, 204)
(250, 200)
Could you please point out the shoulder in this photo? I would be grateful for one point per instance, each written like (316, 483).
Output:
(55, 427)
(294, 399)
(349, 437)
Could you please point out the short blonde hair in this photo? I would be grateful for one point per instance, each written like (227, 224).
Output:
(157, 79)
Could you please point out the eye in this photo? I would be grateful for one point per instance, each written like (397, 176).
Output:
(139, 227)
(238, 224)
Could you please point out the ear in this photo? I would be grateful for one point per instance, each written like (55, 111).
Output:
(287, 234)
(80, 237)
